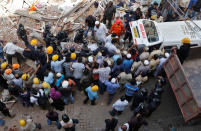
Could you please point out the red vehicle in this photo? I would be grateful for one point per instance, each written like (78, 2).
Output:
(185, 81)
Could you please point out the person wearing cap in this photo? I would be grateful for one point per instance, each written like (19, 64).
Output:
(119, 106)
(130, 89)
(100, 31)
(143, 68)
(111, 123)
(153, 10)
(78, 68)
(12, 50)
(8, 75)
(66, 92)
(103, 72)
(56, 65)
(59, 79)
(117, 28)
(111, 87)
(160, 65)
(127, 63)
(124, 77)
(109, 14)
(16, 69)
(89, 25)
(183, 51)
(97, 11)
(92, 94)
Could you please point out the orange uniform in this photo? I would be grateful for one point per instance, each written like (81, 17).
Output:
(117, 28)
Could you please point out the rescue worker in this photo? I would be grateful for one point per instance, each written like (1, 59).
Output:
(8, 75)
(56, 65)
(92, 94)
(117, 28)
(16, 69)
(183, 51)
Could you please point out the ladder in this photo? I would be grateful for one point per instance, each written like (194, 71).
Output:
(195, 28)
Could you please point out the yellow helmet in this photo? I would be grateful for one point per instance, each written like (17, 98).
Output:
(186, 41)
(36, 80)
(45, 85)
(153, 17)
(22, 122)
(4, 65)
(24, 76)
(34, 42)
(49, 50)
(55, 57)
(94, 88)
(73, 56)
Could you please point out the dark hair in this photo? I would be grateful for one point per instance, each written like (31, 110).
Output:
(96, 3)
(133, 82)
(96, 65)
(122, 98)
(114, 41)
(155, 57)
(119, 61)
(79, 59)
(65, 118)
(68, 59)
(155, 3)
(114, 35)
(105, 64)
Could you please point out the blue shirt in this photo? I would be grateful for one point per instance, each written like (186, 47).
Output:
(91, 94)
(191, 4)
(58, 81)
(111, 87)
(127, 65)
(57, 65)
(130, 89)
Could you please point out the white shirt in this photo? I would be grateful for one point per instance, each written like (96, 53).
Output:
(109, 39)
(120, 105)
(97, 12)
(111, 48)
(11, 48)
(63, 124)
(101, 32)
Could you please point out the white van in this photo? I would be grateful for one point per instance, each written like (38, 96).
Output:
(165, 35)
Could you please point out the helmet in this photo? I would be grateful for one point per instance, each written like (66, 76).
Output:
(36, 80)
(94, 88)
(45, 85)
(72, 49)
(22, 122)
(65, 84)
(128, 56)
(90, 59)
(4, 65)
(24, 76)
(153, 17)
(73, 56)
(8, 71)
(34, 42)
(55, 57)
(146, 62)
(186, 41)
(65, 118)
(16, 66)
(49, 50)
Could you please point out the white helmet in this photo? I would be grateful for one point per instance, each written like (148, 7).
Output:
(90, 59)
(146, 62)
(167, 55)
(128, 56)
(58, 74)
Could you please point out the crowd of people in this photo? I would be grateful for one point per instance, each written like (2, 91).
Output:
(109, 68)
